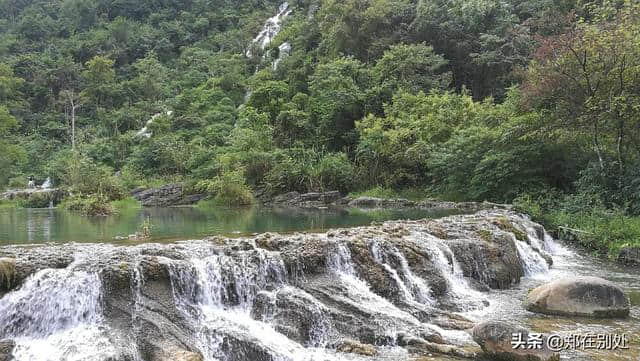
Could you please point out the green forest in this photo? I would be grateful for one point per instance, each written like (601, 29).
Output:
(531, 102)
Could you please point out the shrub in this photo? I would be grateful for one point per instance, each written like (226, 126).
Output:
(91, 205)
(228, 189)
(82, 175)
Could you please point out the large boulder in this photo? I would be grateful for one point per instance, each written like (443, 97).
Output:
(496, 340)
(581, 296)
(6, 350)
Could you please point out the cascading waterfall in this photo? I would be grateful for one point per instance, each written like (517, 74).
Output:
(244, 296)
(56, 316)
(216, 293)
(459, 287)
(413, 287)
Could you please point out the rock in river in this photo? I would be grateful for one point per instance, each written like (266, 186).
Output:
(582, 296)
(496, 340)
(6, 349)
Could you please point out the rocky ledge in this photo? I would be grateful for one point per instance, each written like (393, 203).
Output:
(273, 297)
(165, 196)
(335, 199)
(54, 195)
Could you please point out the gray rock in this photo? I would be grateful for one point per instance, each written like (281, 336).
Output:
(581, 296)
(495, 339)
(630, 256)
(306, 200)
(165, 196)
(6, 350)
(372, 202)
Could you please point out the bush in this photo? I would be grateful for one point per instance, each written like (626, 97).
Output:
(91, 205)
(82, 175)
(36, 200)
(227, 189)
(306, 170)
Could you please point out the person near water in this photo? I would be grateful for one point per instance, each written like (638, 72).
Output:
(32, 183)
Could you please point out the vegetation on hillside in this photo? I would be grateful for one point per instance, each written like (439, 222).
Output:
(466, 99)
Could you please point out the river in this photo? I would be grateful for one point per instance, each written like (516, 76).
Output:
(19, 225)
(199, 273)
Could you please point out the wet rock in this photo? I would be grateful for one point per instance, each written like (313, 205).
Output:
(295, 314)
(7, 273)
(177, 354)
(165, 196)
(495, 339)
(420, 346)
(27, 261)
(630, 256)
(351, 346)
(582, 296)
(6, 350)
(43, 196)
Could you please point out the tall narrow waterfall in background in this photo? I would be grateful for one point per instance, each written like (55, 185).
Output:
(271, 29)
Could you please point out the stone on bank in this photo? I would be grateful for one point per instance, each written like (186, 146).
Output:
(580, 296)
(496, 340)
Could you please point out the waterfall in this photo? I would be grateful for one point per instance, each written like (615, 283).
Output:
(47, 183)
(216, 293)
(532, 262)
(413, 288)
(458, 286)
(271, 29)
(359, 293)
(56, 315)
(145, 132)
(284, 50)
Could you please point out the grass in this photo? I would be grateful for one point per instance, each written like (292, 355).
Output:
(7, 204)
(604, 231)
(126, 204)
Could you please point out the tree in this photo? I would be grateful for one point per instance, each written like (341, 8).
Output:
(99, 76)
(588, 77)
(73, 102)
(411, 68)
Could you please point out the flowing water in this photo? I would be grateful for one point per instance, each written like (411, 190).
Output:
(57, 315)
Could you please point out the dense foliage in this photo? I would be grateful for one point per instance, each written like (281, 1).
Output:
(463, 99)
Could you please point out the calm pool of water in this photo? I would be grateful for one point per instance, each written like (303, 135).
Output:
(57, 225)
